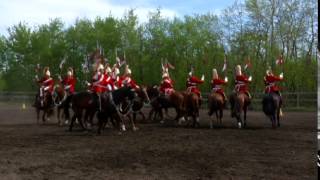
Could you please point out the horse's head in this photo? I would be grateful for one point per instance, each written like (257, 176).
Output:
(59, 94)
(153, 91)
(142, 93)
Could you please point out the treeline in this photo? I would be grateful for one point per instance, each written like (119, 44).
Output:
(258, 30)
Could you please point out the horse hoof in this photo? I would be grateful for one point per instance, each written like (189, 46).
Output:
(239, 125)
(66, 122)
(135, 129)
(123, 127)
(161, 122)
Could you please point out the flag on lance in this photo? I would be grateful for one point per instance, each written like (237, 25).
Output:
(280, 60)
(248, 64)
(224, 63)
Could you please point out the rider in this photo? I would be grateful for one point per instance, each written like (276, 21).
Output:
(242, 82)
(107, 81)
(270, 81)
(217, 82)
(126, 79)
(68, 82)
(241, 86)
(192, 83)
(46, 85)
(166, 86)
(115, 75)
(97, 85)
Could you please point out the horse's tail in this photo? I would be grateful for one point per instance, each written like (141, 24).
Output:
(213, 104)
(268, 105)
(238, 106)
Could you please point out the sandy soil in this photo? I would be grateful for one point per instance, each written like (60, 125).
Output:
(47, 151)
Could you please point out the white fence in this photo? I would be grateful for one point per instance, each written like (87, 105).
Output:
(296, 100)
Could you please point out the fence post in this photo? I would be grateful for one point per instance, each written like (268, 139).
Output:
(298, 100)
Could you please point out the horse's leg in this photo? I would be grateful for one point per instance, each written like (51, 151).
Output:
(58, 116)
(44, 115)
(211, 122)
(217, 117)
(132, 119)
(38, 114)
(150, 114)
(101, 123)
(245, 116)
(278, 116)
(221, 115)
(143, 116)
(66, 113)
(72, 121)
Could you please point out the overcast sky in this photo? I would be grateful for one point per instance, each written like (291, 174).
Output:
(35, 12)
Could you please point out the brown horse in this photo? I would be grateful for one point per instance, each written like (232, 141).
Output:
(192, 106)
(239, 102)
(174, 100)
(271, 104)
(44, 103)
(216, 104)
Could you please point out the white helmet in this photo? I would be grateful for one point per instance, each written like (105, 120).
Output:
(108, 69)
(100, 67)
(238, 70)
(215, 73)
(165, 75)
(48, 73)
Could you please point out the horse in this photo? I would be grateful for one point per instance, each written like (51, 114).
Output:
(62, 100)
(174, 100)
(110, 106)
(153, 94)
(44, 103)
(215, 105)
(83, 101)
(138, 103)
(239, 102)
(271, 104)
(192, 106)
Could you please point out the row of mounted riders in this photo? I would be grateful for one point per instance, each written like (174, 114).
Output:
(114, 97)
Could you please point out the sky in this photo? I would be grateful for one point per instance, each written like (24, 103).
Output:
(37, 12)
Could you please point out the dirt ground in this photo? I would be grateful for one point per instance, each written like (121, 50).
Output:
(46, 151)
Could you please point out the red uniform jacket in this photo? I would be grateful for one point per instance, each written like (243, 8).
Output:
(270, 81)
(127, 80)
(192, 83)
(69, 84)
(166, 85)
(97, 83)
(108, 83)
(242, 84)
(216, 85)
(47, 83)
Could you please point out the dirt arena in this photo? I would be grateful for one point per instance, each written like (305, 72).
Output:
(30, 151)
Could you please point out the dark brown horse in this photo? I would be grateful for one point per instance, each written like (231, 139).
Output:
(192, 105)
(239, 103)
(44, 103)
(216, 104)
(83, 101)
(110, 106)
(138, 103)
(62, 101)
(271, 104)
